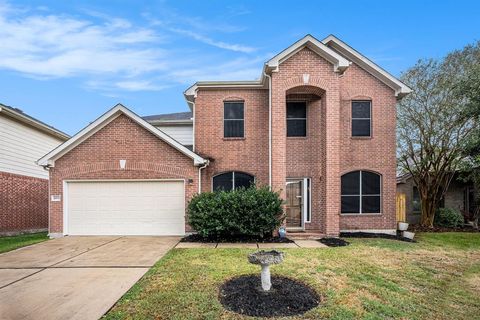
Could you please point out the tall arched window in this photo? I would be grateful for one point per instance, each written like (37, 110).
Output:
(361, 192)
(232, 180)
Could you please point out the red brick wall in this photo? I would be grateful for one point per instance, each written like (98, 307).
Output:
(98, 157)
(327, 152)
(317, 155)
(23, 203)
(249, 154)
(377, 153)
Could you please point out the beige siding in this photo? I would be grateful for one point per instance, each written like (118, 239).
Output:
(181, 133)
(21, 146)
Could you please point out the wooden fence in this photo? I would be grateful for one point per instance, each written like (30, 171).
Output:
(401, 210)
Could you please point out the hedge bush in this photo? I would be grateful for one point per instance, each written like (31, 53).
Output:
(447, 217)
(242, 212)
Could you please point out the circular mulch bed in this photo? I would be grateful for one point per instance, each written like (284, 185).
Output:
(239, 239)
(334, 242)
(287, 297)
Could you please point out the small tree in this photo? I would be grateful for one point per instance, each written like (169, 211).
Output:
(469, 91)
(432, 125)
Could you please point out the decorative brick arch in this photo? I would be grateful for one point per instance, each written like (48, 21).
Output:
(306, 80)
(139, 166)
(233, 98)
(357, 94)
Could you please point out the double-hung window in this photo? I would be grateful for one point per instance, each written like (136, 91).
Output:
(233, 119)
(361, 118)
(361, 192)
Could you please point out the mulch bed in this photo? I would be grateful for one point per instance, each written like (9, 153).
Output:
(287, 297)
(334, 242)
(236, 239)
(374, 235)
(419, 228)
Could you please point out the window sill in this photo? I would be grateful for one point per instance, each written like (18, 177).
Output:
(360, 214)
(297, 138)
(361, 138)
(233, 139)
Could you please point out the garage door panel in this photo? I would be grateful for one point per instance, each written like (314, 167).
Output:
(126, 208)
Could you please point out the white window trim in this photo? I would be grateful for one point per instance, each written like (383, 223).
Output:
(351, 112)
(361, 196)
(307, 192)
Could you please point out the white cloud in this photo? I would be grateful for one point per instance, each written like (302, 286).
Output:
(209, 41)
(110, 53)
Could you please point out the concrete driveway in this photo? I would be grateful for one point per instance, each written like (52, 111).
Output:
(74, 277)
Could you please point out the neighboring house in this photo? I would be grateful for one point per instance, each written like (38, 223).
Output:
(459, 196)
(318, 126)
(23, 184)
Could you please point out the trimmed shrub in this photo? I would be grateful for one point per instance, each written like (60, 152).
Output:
(447, 217)
(242, 212)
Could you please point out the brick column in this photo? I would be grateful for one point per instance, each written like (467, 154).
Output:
(332, 174)
(278, 137)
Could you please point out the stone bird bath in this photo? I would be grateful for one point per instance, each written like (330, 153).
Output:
(265, 259)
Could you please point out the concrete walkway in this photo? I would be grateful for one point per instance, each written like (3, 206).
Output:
(259, 245)
(74, 277)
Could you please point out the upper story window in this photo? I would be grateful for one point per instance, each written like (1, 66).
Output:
(296, 119)
(232, 180)
(233, 119)
(361, 118)
(361, 192)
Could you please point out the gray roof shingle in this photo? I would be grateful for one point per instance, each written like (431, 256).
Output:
(169, 116)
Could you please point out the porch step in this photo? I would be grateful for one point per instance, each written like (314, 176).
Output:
(302, 235)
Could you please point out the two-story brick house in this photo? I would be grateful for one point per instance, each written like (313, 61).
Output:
(318, 126)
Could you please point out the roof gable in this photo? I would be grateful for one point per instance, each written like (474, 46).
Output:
(102, 121)
(339, 62)
(363, 62)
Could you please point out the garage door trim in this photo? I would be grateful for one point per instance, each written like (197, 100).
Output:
(65, 192)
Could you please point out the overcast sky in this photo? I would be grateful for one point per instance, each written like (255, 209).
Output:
(67, 62)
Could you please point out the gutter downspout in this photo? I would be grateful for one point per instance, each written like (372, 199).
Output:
(269, 129)
(200, 176)
(193, 127)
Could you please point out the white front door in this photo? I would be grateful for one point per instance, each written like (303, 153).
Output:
(125, 208)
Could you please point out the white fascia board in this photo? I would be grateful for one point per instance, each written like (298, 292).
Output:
(340, 63)
(49, 159)
(400, 88)
(191, 93)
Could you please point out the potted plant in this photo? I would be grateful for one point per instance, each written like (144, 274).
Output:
(402, 226)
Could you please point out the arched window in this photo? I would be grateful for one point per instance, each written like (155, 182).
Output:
(361, 192)
(232, 180)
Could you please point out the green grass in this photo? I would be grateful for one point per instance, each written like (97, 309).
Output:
(15, 242)
(436, 278)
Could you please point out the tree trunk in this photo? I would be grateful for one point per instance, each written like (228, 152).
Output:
(428, 212)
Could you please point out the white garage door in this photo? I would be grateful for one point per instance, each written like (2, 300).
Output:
(125, 208)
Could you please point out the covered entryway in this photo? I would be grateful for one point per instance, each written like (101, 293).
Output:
(124, 208)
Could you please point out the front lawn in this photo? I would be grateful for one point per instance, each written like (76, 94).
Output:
(436, 278)
(15, 242)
